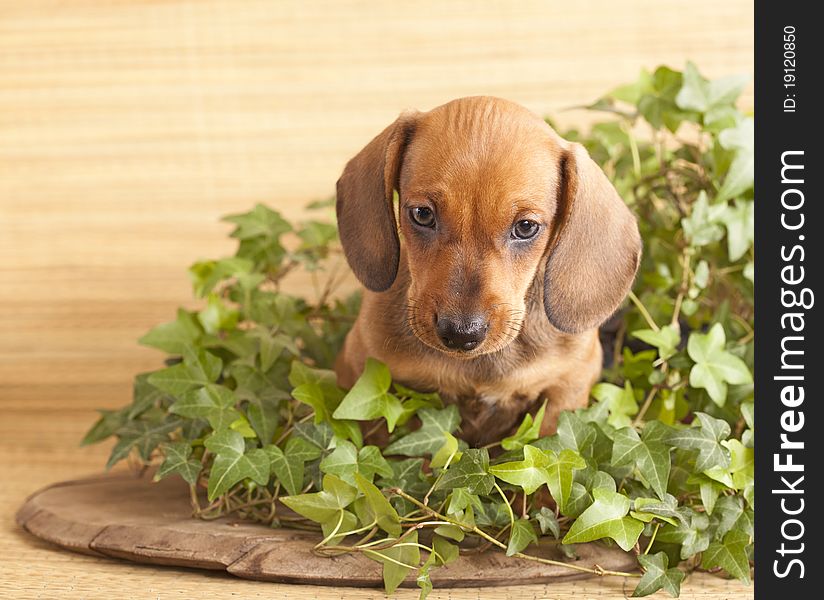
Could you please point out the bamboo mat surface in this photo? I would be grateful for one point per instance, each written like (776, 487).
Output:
(127, 128)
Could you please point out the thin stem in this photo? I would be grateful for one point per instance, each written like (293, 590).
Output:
(597, 570)
(508, 506)
(645, 406)
(438, 478)
(643, 310)
(652, 539)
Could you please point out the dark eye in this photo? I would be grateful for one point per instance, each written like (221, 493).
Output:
(422, 216)
(524, 230)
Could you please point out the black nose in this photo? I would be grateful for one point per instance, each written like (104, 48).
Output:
(461, 333)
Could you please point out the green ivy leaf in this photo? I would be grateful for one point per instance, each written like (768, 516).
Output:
(548, 522)
(288, 466)
(560, 476)
(144, 436)
(197, 369)
(174, 337)
(606, 518)
(651, 458)
(470, 472)
(324, 505)
(700, 227)
(657, 576)
(521, 536)
(715, 367)
(666, 339)
(741, 173)
(233, 464)
(176, 460)
(215, 403)
(380, 510)
(739, 219)
(371, 462)
(429, 438)
(705, 439)
(369, 398)
(620, 401)
(730, 554)
(342, 462)
(397, 561)
(528, 431)
(529, 474)
(448, 451)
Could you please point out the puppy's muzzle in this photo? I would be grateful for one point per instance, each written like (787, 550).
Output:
(461, 333)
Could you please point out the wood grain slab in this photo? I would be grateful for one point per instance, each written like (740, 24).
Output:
(133, 518)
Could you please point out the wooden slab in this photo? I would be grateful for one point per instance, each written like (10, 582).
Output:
(130, 517)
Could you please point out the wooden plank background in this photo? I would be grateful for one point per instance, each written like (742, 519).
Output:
(127, 128)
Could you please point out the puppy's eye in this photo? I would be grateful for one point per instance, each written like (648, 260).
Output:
(524, 230)
(423, 216)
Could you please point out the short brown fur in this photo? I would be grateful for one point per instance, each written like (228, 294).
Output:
(482, 164)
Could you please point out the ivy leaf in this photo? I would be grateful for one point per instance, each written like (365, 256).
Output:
(216, 316)
(606, 518)
(715, 367)
(730, 554)
(371, 462)
(548, 522)
(741, 173)
(651, 458)
(699, 227)
(574, 433)
(528, 430)
(522, 535)
(620, 401)
(704, 438)
(666, 339)
(657, 576)
(470, 472)
(529, 474)
(232, 464)
(144, 436)
(197, 369)
(560, 476)
(215, 403)
(447, 550)
(174, 337)
(324, 505)
(727, 511)
(108, 423)
(429, 438)
(342, 462)
(691, 533)
(380, 510)
(395, 560)
(369, 398)
(739, 219)
(324, 399)
(288, 467)
(666, 509)
(448, 451)
(176, 460)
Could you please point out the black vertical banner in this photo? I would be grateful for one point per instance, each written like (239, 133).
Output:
(789, 443)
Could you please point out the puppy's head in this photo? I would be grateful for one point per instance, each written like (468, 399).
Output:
(490, 198)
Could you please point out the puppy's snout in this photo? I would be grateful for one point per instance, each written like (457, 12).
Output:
(461, 333)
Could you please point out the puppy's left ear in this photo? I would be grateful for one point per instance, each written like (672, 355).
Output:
(366, 213)
(597, 247)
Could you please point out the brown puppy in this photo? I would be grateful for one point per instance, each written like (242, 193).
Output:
(515, 249)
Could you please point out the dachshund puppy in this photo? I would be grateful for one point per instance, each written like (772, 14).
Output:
(515, 248)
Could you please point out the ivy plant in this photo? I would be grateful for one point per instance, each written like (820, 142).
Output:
(248, 413)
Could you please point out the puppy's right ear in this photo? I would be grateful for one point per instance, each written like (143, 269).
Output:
(366, 214)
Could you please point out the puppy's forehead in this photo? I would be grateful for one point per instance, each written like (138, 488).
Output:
(482, 148)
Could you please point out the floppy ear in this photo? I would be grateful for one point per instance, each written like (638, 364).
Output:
(366, 215)
(597, 247)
